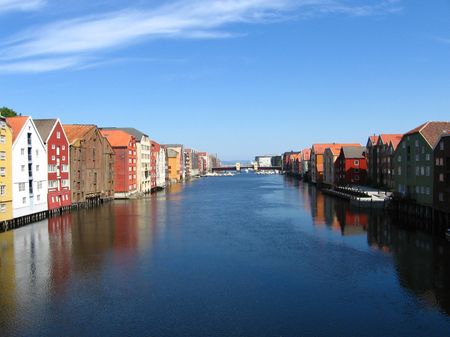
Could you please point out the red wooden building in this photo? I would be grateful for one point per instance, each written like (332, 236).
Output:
(54, 137)
(350, 168)
(125, 164)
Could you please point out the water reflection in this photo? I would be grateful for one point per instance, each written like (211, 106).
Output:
(46, 262)
(422, 260)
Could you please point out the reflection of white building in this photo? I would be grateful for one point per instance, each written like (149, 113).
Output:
(264, 161)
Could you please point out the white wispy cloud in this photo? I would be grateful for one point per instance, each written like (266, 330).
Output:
(195, 19)
(20, 5)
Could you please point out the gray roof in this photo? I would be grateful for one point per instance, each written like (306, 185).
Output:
(172, 153)
(354, 151)
(132, 131)
(44, 127)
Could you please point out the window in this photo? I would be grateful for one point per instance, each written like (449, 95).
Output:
(63, 147)
(22, 151)
(58, 135)
(417, 170)
(427, 156)
(2, 171)
(21, 187)
(2, 208)
(416, 143)
(417, 189)
(441, 145)
(417, 157)
(129, 168)
(37, 153)
(404, 145)
(441, 177)
(38, 197)
(356, 162)
(441, 196)
(53, 157)
(356, 170)
(53, 146)
(39, 185)
(427, 191)
(428, 171)
(2, 190)
(37, 168)
(52, 183)
(24, 200)
(399, 159)
(64, 183)
(423, 149)
(422, 170)
(22, 168)
(2, 155)
(2, 139)
(63, 158)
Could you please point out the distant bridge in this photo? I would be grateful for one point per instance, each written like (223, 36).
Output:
(239, 167)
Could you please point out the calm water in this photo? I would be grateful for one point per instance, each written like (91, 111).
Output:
(237, 256)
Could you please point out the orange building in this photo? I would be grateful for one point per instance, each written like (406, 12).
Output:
(125, 164)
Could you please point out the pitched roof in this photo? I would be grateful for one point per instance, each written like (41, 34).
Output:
(320, 148)
(354, 151)
(137, 134)
(306, 154)
(76, 132)
(172, 153)
(44, 127)
(16, 124)
(431, 131)
(117, 138)
(373, 139)
(394, 138)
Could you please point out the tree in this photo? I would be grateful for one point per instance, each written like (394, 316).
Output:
(7, 112)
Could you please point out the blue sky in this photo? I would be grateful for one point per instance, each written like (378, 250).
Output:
(237, 78)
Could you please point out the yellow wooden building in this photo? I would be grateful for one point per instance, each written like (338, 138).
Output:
(6, 207)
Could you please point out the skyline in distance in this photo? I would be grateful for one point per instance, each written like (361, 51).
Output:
(236, 78)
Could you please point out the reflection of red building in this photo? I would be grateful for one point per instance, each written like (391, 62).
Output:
(59, 231)
(55, 139)
(125, 164)
(351, 166)
(356, 219)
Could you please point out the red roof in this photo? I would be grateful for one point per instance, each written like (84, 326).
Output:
(431, 131)
(391, 138)
(117, 138)
(306, 154)
(16, 124)
(373, 139)
(320, 148)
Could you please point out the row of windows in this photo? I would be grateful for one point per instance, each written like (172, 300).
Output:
(64, 197)
(130, 187)
(132, 161)
(24, 199)
(22, 152)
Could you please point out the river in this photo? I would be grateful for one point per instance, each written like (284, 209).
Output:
(228, 256)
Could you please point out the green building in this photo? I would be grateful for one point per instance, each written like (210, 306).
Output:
(414, 162)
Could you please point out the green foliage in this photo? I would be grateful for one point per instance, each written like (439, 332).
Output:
(7, 112)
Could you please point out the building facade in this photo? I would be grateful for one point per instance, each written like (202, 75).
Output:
(305, 162)
(55, 139)
(372, 159)
(317, 162)
(191, 163)
(384, 166)
(442, 174)
(6, 173)
(91, 164)
(351, 166)
(125, 162)
(159, 163)
(175, 162)
(329, 158)
(30, 176)
(413, 162)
